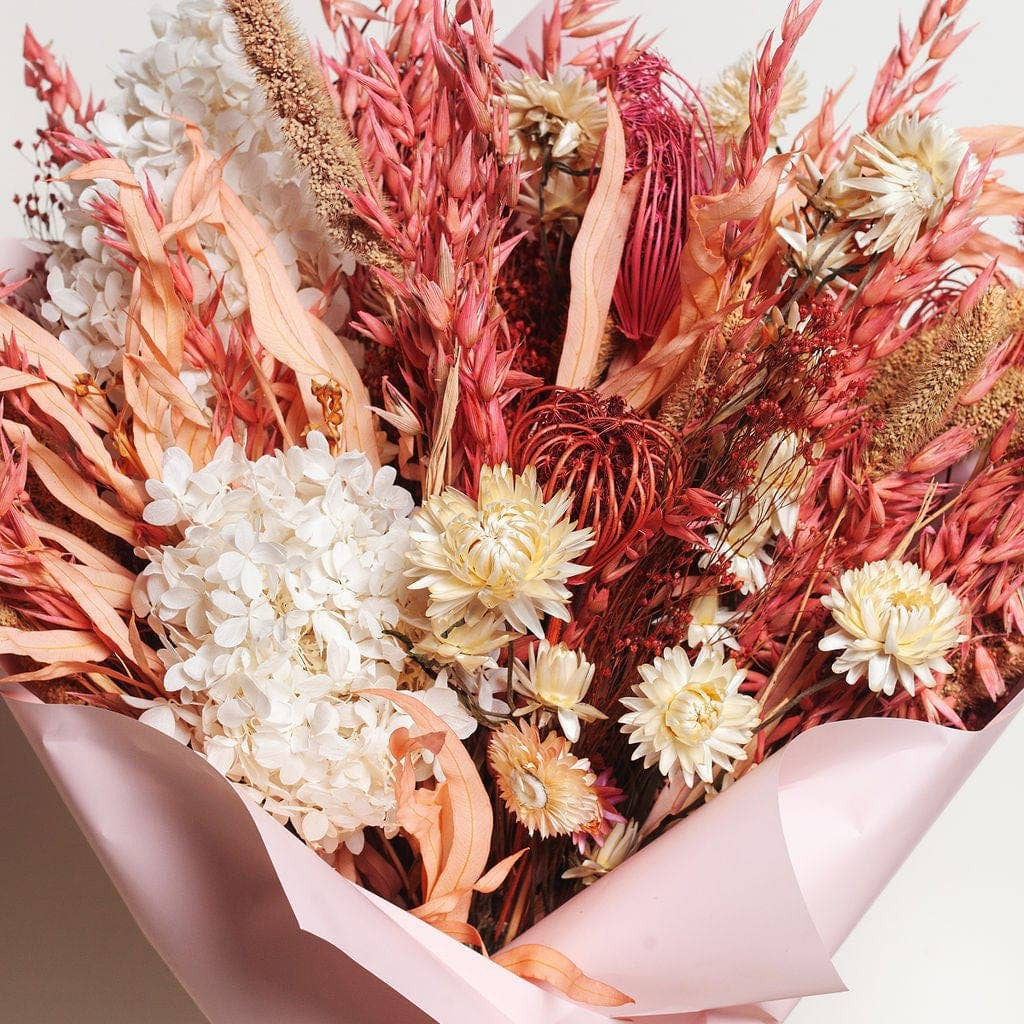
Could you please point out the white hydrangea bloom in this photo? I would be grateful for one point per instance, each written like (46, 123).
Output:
(276, 606)
(192, 70)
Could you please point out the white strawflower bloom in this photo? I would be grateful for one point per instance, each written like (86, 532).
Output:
(548, 788)
(561, 117)
(893, 626)
(728, 100)
(275, 607)
(741, 541)
(469, 644)
(621, 843)
(780, 478)
(688, 717)
(899, 179)
(825, 255)
(557, 679)
(509, 551)
(557, 120)
(194, 70)
(709, 624)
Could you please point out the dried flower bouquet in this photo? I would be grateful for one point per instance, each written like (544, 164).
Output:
(485, 457)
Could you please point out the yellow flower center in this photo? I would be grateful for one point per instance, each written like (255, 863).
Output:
(693, 715)
(498, 547)
(912, 600)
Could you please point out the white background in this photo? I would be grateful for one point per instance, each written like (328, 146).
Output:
(943, 944)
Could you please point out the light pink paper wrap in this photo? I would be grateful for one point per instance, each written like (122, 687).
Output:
(741, 904)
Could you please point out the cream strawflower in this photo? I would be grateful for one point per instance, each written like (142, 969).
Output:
(276, 607)
(555, 121)
(509, 551)
(728, 100)
(900, 179)
(686, 718)
(470, 644)
(622, 842)
(557, 679)
(780, 479)
(893, 626)
(741, 541)
(825, 255)
(548, 788)
(709, 623)
(561, 118)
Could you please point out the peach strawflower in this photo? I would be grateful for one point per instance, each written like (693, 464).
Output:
(548, 788)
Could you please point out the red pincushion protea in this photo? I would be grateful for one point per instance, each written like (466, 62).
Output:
(667, 140)
(624, 471)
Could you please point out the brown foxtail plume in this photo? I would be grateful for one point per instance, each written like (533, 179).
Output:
(984, 417)
(930, 397)
(316, 131)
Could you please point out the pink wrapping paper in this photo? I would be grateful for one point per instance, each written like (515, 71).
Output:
(726, 919)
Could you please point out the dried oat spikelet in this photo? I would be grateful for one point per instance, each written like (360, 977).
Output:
(931, 394)
(318, 135)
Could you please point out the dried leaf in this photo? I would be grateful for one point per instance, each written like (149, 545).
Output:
(465, 810)
(596, 255)
(705, 286)
(437, 466)
(52, 645)
(69, 488)
(56, 362)
(542, 963)
(75, 582)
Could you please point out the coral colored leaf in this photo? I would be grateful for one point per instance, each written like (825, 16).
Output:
(496, 876)
(281, 324)
(52, 645)
(69, 488)
(1000, 139)
(74, 545)
(52, 402)
(466, 819)
(56, 362)
(75, 582)
(542, 963)
(596, 255)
